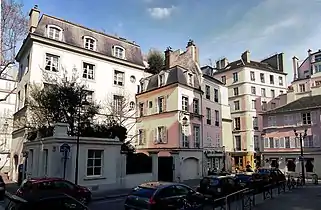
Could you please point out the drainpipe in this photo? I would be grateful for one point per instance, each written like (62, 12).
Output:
(202, 128)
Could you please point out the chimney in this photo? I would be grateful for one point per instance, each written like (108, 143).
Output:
(193, 51)
(33, 18)
(246, 57)
(295, 67)
(224, 63)
(309, 52)
(168, 52)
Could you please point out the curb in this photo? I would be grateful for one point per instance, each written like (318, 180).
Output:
(108, 197)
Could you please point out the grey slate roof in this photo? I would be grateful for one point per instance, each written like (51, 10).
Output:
(304, 103)
(253, 64)
(175, 76)
(73, 35)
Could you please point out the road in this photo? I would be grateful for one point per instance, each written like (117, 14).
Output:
(110, 204)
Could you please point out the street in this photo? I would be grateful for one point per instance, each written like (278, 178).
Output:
(111, 204)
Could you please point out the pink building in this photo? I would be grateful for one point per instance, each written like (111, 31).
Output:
(281, 146)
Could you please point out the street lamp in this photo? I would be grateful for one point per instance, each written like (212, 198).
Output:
(301, 138)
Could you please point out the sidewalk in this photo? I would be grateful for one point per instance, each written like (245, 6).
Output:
(307, 198)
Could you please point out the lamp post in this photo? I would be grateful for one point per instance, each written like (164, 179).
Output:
(301, 138)
(5, 128)
(224, 157)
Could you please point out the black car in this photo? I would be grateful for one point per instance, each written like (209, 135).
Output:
(163, 195)
(44, 200)
(218, 186)
(272, 175)
(249, 180)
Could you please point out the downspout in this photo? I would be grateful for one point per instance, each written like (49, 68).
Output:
(202, 128)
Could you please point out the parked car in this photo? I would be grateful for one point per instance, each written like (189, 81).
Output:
(272, 175)
(218, 186)
(250, 180)
(2, 188)
(48, 200)
(163, 195)
(218, 173)
(82, 194)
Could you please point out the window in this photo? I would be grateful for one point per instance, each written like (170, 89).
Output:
(141, 137)
(317, 68)
(238, 143)
(119, 52)
(141, 109)
(89, 43)
(281, 92)
(271, 121)
(132, 79)
(94, 162)
(252, 74)
(317, 83)
(131, 105)
(119, 78)
(197, 136)
(26, 95)
(273, 105)
(185, 103)
(196, 106)
(161, 80)
(264, 105)
(253, 104)
(208, 116)
(54, 32)
(273, 93)
(89, 96)
(215, 95)
(161, 104)
(256, 143)
(287, 142)
(161, 134)
(235, 77)
(207, 92)
(52, 62)
(118, 104)
(306, 117)
(223, 79)
(236, 91)
(317, 58)
(185, 142)
(263, 92)
(302, 87)
(262, 78)
(236, 105)
(88, 71)
(277, 143)
(150, 104)
(237, 123)
(253, 90)
(271, 142)
(217, 118)
(255, 123)
(271, 79)
(281, 81)
(190, 79)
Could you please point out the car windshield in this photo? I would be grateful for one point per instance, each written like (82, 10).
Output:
(242, 176)
(143, 192)
(264, 171)
(211, 181)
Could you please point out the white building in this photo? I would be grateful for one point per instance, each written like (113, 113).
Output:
(110, 66)
(7, 107)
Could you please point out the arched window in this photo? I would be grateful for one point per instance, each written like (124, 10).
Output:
(54, 32)
(89, 43)
(119, 52)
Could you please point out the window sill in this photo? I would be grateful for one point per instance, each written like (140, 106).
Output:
(88, 80)
(89, 178)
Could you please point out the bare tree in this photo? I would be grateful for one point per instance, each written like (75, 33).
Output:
(14, 28)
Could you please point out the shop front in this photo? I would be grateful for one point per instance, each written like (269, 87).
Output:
(215, 159)
(242, 159)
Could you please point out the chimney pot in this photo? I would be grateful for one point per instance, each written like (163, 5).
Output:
(295, 67)
(168, 52)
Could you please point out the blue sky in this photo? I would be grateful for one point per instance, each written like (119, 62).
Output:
(219, 28)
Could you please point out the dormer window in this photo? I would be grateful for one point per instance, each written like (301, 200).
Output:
(89, 43)
(54, 32)
(161, 79)
(119, 52)
(190, 79)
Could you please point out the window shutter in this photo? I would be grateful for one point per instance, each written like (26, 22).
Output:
(266, 143)
(155, 105)
(155, 136)
(144, 136)
(282, 144)
(165, 104)
(165, 135)
(316, 141)
(292, 142)
(314, 117)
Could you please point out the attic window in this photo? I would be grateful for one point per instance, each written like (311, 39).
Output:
(54, 32)
(161, 79)
(89, 43)
(190, 79)
(119, 52)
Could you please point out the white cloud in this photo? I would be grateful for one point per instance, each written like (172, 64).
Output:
(161, 12)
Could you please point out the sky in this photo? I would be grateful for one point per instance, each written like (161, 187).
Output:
(219, 28)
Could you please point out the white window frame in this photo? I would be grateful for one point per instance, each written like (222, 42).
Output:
(307, 117)
(253, 104)
(87, 43)
(238, 105)
(197, 136)
(252, 75)
(117, 54)
(185, 140)
(141, 136)
(161, 80)
(185, 103)
(88, 73)
(280, 80)
(54, 27)
(263, 92)
(93, 166)
(118, 104)
(161, 134)
(253, 90)
(302, 88)
(190, 79)
(119, 77)
(235, 77)
(51, 66)
(273, 93)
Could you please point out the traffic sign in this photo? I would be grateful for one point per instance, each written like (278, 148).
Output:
(64, 147)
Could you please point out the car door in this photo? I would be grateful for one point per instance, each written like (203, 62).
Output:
(189, 194)
(65, 187)
(166, 198)
(231, 185)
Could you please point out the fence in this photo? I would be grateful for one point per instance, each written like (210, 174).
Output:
(247, 198)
